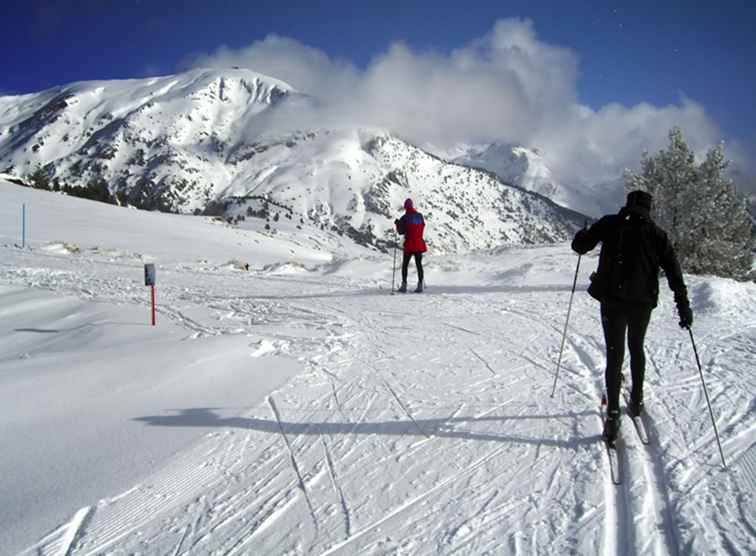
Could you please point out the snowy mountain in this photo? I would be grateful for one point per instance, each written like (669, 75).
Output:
(156, 143)
(208, 141)
(528, 168)
(513, 163)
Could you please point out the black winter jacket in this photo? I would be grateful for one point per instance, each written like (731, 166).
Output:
(633, 249)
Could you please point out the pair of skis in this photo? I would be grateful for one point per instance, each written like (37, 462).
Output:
(612, 448)
(408, 291)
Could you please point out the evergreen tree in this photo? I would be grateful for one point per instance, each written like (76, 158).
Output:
(706, 219)
(39, 179)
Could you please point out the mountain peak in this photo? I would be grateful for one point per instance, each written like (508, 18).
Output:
(193, 78)
(207, 141)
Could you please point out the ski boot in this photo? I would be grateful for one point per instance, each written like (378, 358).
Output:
(419, 288)
(635, 408)
(403, 288)
(611, 427)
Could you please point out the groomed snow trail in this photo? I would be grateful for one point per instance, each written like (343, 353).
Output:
(422, 424)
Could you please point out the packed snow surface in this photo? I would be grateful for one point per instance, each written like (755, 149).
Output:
(299, 408)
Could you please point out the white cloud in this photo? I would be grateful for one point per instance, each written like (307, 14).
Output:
(307, 69)
(151, 70)
(743, 167)
(507, 85)
(589, 146)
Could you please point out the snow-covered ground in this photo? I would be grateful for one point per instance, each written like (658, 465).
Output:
(299, 408)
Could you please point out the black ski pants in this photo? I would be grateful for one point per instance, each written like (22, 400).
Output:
(418, 263)
(617, 319)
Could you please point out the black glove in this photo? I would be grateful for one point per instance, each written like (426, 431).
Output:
(686, 315)
(396, 221)
(577, 240)
(581, 235)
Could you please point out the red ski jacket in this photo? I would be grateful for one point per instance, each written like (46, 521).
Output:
(411, 226)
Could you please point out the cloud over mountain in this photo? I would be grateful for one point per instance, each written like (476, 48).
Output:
(506, 86)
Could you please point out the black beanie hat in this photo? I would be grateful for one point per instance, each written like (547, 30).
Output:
(640, 199)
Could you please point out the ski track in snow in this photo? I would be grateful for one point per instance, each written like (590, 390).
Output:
(417, 427)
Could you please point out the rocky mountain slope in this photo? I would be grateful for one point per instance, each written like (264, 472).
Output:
(529, 169)
(207, 141)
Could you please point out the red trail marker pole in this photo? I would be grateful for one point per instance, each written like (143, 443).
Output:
(149, 280)
(152, 288)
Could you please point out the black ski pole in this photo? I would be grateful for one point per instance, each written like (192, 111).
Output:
(706, 394)
(393, 273)
(567, 320)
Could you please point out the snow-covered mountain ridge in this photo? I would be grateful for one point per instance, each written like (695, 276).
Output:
(149, 139)
(529, 169)
(208, 141)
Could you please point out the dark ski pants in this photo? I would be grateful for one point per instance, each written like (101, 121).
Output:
(418, 263)
(616, 319)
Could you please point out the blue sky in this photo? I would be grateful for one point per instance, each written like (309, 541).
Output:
(627, 53)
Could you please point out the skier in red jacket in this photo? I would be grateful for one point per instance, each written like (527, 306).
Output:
(411, 226)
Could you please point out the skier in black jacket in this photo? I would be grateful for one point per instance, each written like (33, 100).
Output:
(633, 249)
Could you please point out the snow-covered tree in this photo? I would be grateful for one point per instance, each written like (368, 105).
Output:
(705, 217)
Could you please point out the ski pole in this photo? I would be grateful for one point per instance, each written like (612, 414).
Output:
(706, 394)
(564, 334)
(393, 273)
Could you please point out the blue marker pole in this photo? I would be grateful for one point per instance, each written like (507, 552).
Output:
(23, 225)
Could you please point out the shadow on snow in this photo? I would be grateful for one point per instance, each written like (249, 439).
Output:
(439, 428)
(80, 327)
(430, 290)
